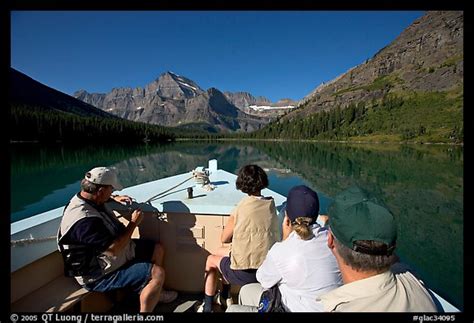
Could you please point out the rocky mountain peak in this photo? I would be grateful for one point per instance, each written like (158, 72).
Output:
(80, 93)
(213, 91)
(174, 100)
(172, 86)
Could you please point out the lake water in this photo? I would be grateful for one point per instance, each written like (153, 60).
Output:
(421, 184)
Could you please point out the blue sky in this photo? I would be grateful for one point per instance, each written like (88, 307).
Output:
(276, 54)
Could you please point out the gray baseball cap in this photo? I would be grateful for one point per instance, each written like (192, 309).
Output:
(104, 176)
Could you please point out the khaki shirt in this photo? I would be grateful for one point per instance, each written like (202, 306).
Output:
(255, 231)
(386, 292)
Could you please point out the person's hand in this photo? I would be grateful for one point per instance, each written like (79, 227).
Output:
(324, 219)
(137, 216)
(124, 199)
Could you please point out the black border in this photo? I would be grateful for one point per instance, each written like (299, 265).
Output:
(294, 5)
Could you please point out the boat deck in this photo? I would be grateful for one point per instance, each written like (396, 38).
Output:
(186, 302)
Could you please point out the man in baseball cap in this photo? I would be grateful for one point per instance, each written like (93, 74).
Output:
(362, 237)
(356, 216)
(98, 249)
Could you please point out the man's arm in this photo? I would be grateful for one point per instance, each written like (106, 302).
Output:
(122, 240)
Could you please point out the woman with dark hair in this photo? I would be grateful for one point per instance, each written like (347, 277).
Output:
(301, 267)
(252, 228)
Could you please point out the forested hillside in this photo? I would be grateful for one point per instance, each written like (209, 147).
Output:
(29, 123)
(419, 117)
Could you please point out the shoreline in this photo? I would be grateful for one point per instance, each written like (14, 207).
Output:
(325, 141)
(274, 140)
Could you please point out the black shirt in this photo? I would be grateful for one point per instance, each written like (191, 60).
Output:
(90, 230)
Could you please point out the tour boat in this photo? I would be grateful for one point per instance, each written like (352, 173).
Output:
(185, 212)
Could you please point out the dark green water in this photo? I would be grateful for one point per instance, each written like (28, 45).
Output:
(422, 185)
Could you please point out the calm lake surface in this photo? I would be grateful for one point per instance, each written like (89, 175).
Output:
(421, 184)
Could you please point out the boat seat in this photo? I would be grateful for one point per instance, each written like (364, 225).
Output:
(59, 295)
(42, 287)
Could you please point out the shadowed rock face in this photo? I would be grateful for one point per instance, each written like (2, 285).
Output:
(25, 90)
(427, 56)
(174, 100)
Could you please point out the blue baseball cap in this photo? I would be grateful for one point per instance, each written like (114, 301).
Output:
(302, 202)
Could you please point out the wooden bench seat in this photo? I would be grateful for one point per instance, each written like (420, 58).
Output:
(42, 287)
(58, 295)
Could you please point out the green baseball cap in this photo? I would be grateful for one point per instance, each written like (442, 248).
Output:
(355, 215)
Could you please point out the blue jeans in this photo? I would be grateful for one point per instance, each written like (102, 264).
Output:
(134, 275)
